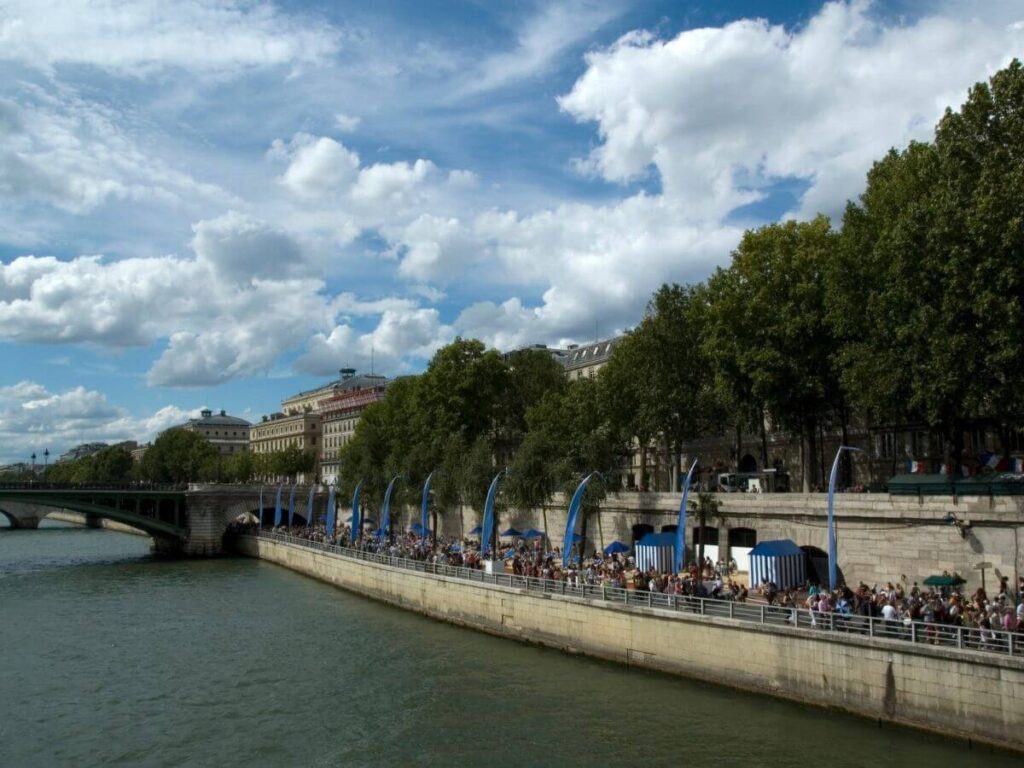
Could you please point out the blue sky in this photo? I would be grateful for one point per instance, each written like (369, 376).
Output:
(217, 203)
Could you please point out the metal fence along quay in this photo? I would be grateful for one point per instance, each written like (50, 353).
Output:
(956, 638)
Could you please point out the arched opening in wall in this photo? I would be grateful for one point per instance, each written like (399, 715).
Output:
(708, 536)
(748, 464)
(640, 530)
(6, 521)
(817, 565)
(741, 541)
(669, 528)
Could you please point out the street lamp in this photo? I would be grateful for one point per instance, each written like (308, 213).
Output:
(46, 459)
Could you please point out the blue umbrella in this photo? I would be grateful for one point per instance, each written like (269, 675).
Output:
(616, 548)
(511, 532)
(476, 531)
(533, 533)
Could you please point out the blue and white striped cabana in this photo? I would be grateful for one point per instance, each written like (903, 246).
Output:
(780, 561)
(655, 550)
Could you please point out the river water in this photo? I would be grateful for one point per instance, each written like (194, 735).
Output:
(110, 657)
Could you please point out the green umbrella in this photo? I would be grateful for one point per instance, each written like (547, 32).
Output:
(943, 580)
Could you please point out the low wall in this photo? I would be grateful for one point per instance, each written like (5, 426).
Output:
(964, 694)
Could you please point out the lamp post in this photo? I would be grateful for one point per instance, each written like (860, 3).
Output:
(46, 459)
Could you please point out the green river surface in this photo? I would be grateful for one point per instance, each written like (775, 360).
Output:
(111, 657)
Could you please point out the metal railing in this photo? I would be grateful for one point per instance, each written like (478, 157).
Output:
(918, 632)
(32, 485)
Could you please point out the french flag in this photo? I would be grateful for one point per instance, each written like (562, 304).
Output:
(916, 467)
(994, 461)
(1018, 466)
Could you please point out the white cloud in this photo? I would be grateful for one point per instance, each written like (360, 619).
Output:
(401, 333)
(35, 419)
(316, 166)
(346, 123)
(540, 41)
(74, 155)
(240, 248)
(391, 183)
(140, 37)
(722, 112)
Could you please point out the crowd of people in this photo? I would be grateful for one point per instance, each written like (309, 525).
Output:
(940, 611)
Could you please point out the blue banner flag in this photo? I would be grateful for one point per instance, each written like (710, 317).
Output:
(309, 507)
(357, 523)
(425, 505)
(832, 554)
(488, 529)
(570, 520)
(277, 507)
(385, 520)
(331, 511)
(291, 504)
(677, 564)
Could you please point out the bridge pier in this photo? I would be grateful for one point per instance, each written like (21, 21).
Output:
(24, 516)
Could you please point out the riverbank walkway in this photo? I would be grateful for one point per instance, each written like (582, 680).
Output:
(967, 640)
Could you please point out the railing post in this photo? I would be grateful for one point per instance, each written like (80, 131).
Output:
(1010, 648)
(913, 632)
(650, 599)
(702, 606)
(732, 610)
(762, 614)
(960, 636)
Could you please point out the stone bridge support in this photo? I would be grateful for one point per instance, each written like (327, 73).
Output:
(23, 515)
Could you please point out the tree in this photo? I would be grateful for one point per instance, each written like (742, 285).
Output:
(177, 456)
(706, 507)
(928, 295)
(626, 398)
(112, 465)
(768, 331)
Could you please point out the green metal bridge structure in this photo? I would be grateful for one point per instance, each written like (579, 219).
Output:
(182, 520)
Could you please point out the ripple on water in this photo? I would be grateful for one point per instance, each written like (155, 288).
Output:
(113, 658)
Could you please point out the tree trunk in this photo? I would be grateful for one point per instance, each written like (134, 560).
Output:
(738, 446)
(643, 464)
(764, 443)
(700, 546)
(809, 457)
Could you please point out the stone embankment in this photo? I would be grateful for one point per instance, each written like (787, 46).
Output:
(959, 693)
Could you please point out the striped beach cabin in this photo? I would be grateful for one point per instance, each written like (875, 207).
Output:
(780, 561)
(655, 550)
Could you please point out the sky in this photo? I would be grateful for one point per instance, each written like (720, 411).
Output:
(218, 203)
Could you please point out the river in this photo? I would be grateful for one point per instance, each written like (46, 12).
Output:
(111, 657)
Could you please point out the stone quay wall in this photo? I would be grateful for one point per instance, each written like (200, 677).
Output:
(964, 694)
(880, 538)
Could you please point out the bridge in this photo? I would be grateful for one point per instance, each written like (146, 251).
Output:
(182, 519)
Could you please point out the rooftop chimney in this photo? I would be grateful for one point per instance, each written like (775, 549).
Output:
(223, 412)
(206, 413)
(347, 373)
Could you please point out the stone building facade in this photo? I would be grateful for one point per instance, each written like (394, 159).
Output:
(279, 431)
(228, 434)
(340, 413)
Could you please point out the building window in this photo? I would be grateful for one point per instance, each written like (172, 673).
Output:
(886, 445)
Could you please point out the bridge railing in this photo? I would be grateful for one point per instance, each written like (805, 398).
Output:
(956, 638)
(140, 486)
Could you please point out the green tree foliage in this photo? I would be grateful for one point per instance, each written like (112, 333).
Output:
(929, 294)
(109, 465)
(178, 456)
(768, 332)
